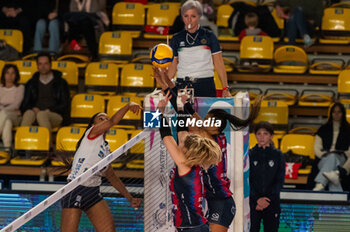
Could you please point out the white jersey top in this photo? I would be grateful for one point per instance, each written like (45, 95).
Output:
(90, 151)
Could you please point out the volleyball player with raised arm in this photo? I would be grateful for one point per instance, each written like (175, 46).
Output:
(193, 154)
(221, 206)
(91, 148)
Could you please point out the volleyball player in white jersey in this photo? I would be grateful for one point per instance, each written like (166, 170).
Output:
(91, 148)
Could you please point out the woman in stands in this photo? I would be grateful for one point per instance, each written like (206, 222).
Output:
(91, 148)
(221, 206)
(197, 51)
(11, 96)
(332, 147)
(193, 154)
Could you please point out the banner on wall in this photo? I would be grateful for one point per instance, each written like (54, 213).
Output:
(157, 199)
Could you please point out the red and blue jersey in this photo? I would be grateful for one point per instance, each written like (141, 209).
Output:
(216, 182)
(187, 193)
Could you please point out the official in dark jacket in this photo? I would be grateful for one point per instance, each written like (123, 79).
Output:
(46, 97)
(267, 171)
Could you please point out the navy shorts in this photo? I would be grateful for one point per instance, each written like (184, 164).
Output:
(202, 228)
(203, 87)
(82, 198)
(221, 212)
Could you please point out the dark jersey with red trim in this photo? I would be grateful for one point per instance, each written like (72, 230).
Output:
(216, 182)
(187, 193)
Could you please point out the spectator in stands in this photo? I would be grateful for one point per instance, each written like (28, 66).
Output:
(266, 177)
(197, 51)
(11, 96)
(332, 147)
(46, 98)
(91, 148)
(12, 16)
(83, 18)
(48, 18)
(251, 20)
(302, 17)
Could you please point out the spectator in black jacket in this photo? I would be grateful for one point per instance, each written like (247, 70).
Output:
(46, 97)
(267, 171)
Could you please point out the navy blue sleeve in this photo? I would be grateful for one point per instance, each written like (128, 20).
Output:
(214, 43)
(174, 45)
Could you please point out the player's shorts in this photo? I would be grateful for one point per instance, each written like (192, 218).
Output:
(221, 212)
(82, 198)
(201, 228)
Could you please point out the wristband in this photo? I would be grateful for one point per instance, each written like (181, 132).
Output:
(225, 88)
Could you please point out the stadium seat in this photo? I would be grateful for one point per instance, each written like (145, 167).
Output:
(84, 106)
(137, 153)
(303, 130)
(26, 69)
(161, 15)
(116, 45)
(129, 16)
(252, 92)
(117, 102)
(274, 112)
(115, 139)
(335, 26)
(34, 141)
(101, 78)
(346, 103)
(257, 49)
(2, 64)
(326, 66)
(344, 84)
(290, 59)
(300, 144)
(318, 98)
(69, 71)
(223, 14)
(4, 157)
(276, 94)
(13, 38)
(80, 60)
(136, 77)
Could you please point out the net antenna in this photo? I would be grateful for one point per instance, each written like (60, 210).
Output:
(20, 221)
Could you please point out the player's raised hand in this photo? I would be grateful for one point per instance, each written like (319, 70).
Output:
(134, 107)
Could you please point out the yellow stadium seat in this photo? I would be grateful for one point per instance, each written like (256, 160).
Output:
(128, 14)
(161, 14)
(68, 137)
(253, 141)
(137, 153)
(258, 49)
(300, 144)
(290, 59)
(136, 77)
(84, 106)
(2, 64)
(279, 21)
(274, 112)
(69, 71)
(223, 14)
(344, 83)
(326, 66)
(303, 130)
(252, 92)
(138, 148)
(318, 98)
(282, 95)
(33, 140)
(116, 44)
(335, 26)
(26, 69)
(80, 60)
(117, 102)
(13, 38)
(346, 103)
(4, 157)
(101, 76)
(115, 139)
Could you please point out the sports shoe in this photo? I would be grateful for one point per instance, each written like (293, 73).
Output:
(319, 187)
(307, 41)
(332, 176)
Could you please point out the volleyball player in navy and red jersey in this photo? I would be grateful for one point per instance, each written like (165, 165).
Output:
(221, 206)
(193, 154)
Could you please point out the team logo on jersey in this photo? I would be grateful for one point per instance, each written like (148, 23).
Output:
(255, 163)
(81, 160)
(203, 41)
(182, 43)
(271, 163)
(215, 217)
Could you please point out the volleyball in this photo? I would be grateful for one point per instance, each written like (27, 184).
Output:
(161, 55)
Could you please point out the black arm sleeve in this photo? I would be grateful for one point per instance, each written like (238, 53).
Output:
(173, 93)
(164, 131)
(182, 117)
(188, 108)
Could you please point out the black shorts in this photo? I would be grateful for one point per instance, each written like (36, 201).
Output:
(82, 198)
(221, 212)
(202, 228)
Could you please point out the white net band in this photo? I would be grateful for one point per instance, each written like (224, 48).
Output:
(73, 184)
